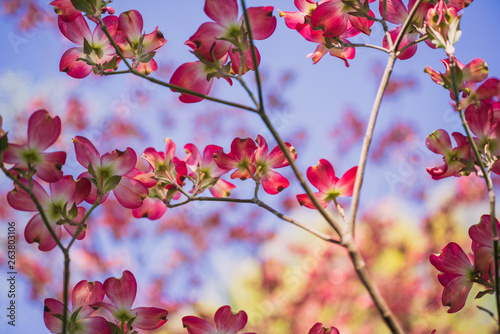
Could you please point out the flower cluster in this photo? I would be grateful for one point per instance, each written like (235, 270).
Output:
(89, 297)
(95, 51)
(458, 274)
(223, 46)
(32, 167)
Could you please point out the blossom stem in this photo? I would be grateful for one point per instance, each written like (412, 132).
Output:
(263, 205)
(487, 179)
(163, 83)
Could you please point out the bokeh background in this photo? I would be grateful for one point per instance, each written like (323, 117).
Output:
(204, 255)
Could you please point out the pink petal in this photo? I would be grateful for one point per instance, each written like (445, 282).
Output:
(193, 157)
(475, 71)
(489, 89)
(52, 306)
(65, 10)
(49, 169)
(322, 176)
(439, 142)
(121, 291)
(75, 68)
(76, 30)
(262, 22)
(151, 208)
(249, 64)
(225, 161)
(86, 293)
(243, 149)
(72, 229)
(99, 38)
(93, 325)
(273, 182)
(62, 190)
(170, 148)
(344, 53)
(452, 259)
(222, 188)
(455, 293)
(319, 329)
(208, 161)
(229, 323)
(20, 200)
(328, 16)
(361, 24)
(262, 149)
(14, 155)
(156, 159)
(224, 12)
(480, 119)
(407, 39)
(304, 200)
(396, 11)
(204, 39)
(43, 130)
(153, 41)
(277, 159)
(36, 231)
(195, 325)
(481, 232)
(130, 193)
(131, 24)
(191, 76)
(292, 19)
(86, 153)
(345, 185)
(149, 317)
(119, 162)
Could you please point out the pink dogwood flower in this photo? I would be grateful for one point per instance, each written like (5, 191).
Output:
(482, 244)
(226, 322)
(65, 195)
(456, 160)
(219, 37)
(272, 182)
(43, 131)
(139, 46)
(94, 47)
(122, 292)
(110, 172)
(456, 274)
(241, 157)
(205, 172)
(84, 294)
(65, 9)
(319, 329)
(322, 176)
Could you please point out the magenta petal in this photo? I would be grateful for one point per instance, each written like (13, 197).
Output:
(76, 30)
(99, 38)
(51, 307)
(407, 39)
(208, 161)
(455, 293)
(131, 24)
(14, 155)
(49, 169)
(262, 22)
(149, 317)
(224, 12)
(191, 76)
(273, 182)
(130, 193)
(65, 10)
(43, 130)
(20, 200)
(121, 291)
(480, 119)
(195, 325)
(439, 142)
(119, 162)
(277, 159)
(322, 176)
(304, 200)
(396, 11)
(36, 231)
(193, 157)
(222, 188)
(452, 259)
(225, 161)
(229, 323)
(249, 63)
(84, 294)
(75, 68)
(62, 191)
(345, 185)
(93, 325)
(319, 329)
(481, 233)
(204, 38)
(151, 208)
(86, 153)
(489, 89)
(243, 149)
(328, 16)
(154, 40)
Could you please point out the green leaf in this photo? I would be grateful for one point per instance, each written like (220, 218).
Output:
(4, 143)
(111, 64)
(87, 49)
(73, 212)
(112, 182)
(147, 57)
(114, 328)
(480, 294)
(75, 314)
(83, 5)
(91, 171)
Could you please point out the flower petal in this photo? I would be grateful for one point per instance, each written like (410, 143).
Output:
(43, 130)
(76, 30)
(345, 185)
(86, 293)
(119, 162)
(74, 68)
(191, 76)
(262, 22)
(121, 291)
(20, 200)
(36, 231)
(130, 193)
(51, 307)
(86, 153)
(229, 323)
(131, 24)
(195, 325)
(49, 169)
(151, 208)
(322, 176)
(273, 182)
(224, 12)
(149, 317)
(304, 200)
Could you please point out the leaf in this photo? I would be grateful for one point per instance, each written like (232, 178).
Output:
(91, 171)
(87, 49)
(84, 6)
(4, 143)
(75, 314)
(147, 57)
(112, 182)
(480, 294)
(73, 212)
